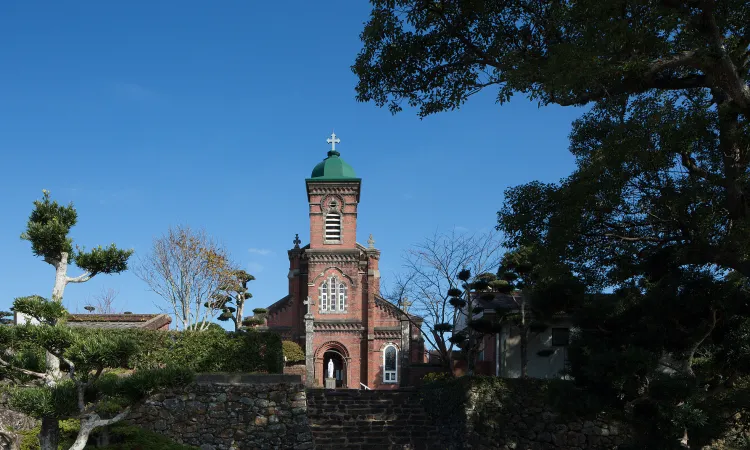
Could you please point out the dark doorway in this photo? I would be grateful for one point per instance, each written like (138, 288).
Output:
(339, 368)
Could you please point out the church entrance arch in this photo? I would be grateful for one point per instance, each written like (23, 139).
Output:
(332, 355)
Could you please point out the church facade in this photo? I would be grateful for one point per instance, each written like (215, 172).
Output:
(334, 309)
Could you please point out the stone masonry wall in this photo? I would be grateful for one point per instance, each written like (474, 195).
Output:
(502, 414)
(223, 412)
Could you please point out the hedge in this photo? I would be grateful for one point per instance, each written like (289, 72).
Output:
(205, 351)
(293, 352)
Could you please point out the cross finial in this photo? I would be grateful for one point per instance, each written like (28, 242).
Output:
(296, 241)
(333, 140)
(307, 302)
(371, 242)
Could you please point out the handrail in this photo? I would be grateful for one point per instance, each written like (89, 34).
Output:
(365, 386)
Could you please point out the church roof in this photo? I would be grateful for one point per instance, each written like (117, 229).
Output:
(333, 168)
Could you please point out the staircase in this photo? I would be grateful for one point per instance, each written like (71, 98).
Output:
(351, 419)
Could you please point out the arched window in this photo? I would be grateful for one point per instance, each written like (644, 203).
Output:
(324, 297)
(333, 296)
(333, 226)
(390, 364)
(342, 296)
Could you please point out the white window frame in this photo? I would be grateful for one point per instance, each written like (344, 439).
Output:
(333, 296)
(324, 296)
(390, 376)
(342, 296)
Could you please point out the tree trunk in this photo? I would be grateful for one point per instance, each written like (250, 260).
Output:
(61, 280)
(61, 277)
(524, 331)
(49, 435)
(238, 314)
(87, 426)
(470, 348)
(524, 351)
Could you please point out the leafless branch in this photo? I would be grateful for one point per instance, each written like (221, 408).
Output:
(187, 269)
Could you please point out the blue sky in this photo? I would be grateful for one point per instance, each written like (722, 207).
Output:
(147, 114)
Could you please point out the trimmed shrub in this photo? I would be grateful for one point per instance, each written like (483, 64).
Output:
(206, 351)
(121, 435)
(437, 376)
(293, 352)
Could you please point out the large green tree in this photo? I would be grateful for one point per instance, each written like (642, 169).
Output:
(668, 133)
(657, 208)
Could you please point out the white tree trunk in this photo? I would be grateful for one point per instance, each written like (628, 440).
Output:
(61, 280)
(61, 277)
(87, 426)
(92, 422)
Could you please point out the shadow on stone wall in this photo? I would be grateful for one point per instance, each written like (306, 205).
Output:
(495, 413)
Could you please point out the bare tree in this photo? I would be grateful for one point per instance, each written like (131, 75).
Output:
(187, 269)
(430, 272)
(104, 301)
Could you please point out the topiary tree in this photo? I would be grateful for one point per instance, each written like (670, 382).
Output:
(86, 392)
(232, 297)
(48, 231)
(257, 319)
(293, 353)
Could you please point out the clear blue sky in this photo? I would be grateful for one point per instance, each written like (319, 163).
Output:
(154, 113)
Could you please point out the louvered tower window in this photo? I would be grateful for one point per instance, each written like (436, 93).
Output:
(333, 226)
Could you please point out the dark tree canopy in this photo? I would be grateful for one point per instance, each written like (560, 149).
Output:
(435, 54)
(658, 208)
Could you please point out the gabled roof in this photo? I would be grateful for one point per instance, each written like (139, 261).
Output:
(119, 321)
(284, 301)
(383, 303)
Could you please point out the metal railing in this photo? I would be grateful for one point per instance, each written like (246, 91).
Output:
(367, 388)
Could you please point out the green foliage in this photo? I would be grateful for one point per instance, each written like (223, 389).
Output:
(293, 352)
(121, 437)
(205, 351)
(209, 327)
(103, 259)
(128, 437)
(48, 227)
(68, 431)
(433, 377)
(232, 297)
(44, 401)
(6, 317)
(260, 311)
(39, 308)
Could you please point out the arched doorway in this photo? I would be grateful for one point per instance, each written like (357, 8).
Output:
(337, 353)
(339, 367)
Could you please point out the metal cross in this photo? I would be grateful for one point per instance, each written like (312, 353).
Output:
(307, 302)
(333, 140)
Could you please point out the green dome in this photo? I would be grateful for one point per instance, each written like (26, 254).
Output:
(333, 168)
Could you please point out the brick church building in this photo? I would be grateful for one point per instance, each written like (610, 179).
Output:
(334, 309)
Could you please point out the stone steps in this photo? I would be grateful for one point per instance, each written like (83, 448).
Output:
(368, 420)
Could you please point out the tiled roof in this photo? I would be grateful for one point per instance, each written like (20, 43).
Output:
(119, 321)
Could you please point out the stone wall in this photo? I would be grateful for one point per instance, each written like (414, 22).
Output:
(493, 413)
(222, 412)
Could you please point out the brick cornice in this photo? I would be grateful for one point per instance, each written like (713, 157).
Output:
(336, 326)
